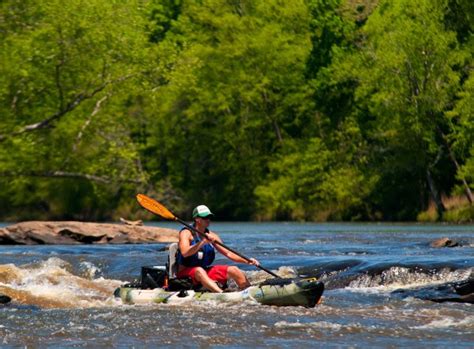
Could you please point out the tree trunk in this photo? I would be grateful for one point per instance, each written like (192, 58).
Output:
(435, 195)
(467, 190)
(277, 131)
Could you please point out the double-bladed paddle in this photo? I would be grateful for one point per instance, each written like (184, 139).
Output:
(155, 207)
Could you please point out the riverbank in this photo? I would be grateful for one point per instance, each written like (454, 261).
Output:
(70, 233)
(458, 210)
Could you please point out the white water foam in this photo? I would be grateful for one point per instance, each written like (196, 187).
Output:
(89, 270)
(256, 277)
(400, 277)
(448, 322)
(319, 324)
(50, 283)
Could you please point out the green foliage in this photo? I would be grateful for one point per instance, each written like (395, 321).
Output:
(62, 102)
(406, 74)
(463, 214)
(299, 109)
(231, 95)
(462, 119)
(162, 14)
(309, 181)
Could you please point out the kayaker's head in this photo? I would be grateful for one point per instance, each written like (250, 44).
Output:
(202, 215)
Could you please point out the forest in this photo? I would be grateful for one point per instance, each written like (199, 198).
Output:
(305, 110)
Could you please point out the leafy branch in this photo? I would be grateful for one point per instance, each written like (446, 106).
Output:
(64, 174)
(73, 104)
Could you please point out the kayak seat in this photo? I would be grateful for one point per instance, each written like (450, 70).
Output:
(175, 284)
(172, 260)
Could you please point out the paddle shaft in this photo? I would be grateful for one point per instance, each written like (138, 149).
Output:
(156, 208)
(226, 247)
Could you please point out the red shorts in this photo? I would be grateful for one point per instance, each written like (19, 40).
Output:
(216, 272)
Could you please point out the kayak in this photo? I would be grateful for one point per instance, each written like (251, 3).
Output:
(280, 292)
(163, 280)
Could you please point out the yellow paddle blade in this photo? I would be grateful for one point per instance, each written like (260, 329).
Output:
(154, 207)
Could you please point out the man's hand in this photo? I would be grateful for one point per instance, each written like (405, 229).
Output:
(253, 261)
(207, 239)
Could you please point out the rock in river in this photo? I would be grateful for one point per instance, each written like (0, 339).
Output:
(459, 292)
(4, 299)
(55, 233)
(444, 242)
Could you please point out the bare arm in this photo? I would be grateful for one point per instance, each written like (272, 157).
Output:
(185, 247)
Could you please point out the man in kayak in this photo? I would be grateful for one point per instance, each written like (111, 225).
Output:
(196, 254)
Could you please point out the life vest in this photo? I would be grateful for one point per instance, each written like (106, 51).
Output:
(203, 258)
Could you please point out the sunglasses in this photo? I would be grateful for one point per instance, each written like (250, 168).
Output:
(206, 218)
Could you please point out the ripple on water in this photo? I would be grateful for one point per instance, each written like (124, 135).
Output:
(448, 322)
(82, 278)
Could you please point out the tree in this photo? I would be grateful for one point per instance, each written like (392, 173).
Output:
(234, 91)
(65, 67)
(462, 120)
(407, 76)
(310, 181)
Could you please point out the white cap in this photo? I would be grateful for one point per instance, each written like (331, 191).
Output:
(202, 211)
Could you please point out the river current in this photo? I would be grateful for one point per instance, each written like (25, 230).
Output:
(378, 279)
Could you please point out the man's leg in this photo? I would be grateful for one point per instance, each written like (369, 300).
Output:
(238, 276)
(201, 276)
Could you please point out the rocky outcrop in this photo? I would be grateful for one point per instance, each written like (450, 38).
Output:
(458, 292)
(124, 221)
(67, 233)
(444, 242)
(4, 299)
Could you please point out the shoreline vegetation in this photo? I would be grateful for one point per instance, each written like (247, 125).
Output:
(458, 210)
(302, 110)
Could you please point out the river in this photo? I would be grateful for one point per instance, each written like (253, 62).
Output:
(63, 294)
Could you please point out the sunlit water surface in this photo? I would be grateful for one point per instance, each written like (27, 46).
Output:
(63, 294)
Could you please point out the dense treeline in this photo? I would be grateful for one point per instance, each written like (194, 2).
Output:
(297, 109)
